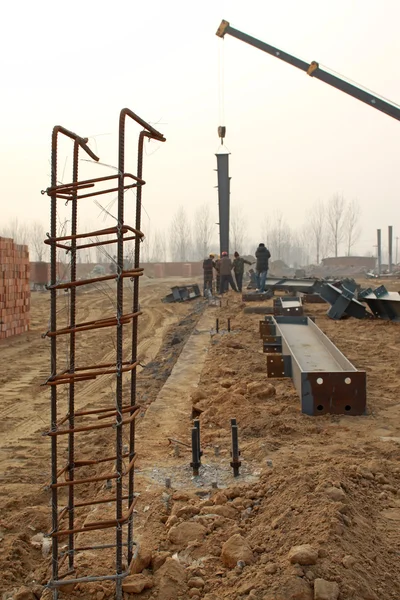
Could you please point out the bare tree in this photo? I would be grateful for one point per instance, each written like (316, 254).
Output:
(146, 247)
(36, 237)
(159, 254)
(335, 221)
(266, 229)
(279, 238)
(318, 228)
(16, 230)
(238, 229)
(180, 236)
(352, 225)
(203, 230)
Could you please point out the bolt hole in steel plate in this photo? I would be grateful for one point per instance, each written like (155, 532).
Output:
(320, 407)
(320, 381)
(347, 408)
(347, 380)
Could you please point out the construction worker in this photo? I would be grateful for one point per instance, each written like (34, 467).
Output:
(216, 265)
(262, 255)
(238, 269)
(208, 264)
(226, 274)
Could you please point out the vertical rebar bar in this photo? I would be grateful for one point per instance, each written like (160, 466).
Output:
(195, 464)
(196, 423)
(72, 319)
(217, 325)
(135, 308)
(235, 464)
(53, 358)
(119, 354)
(229, 325)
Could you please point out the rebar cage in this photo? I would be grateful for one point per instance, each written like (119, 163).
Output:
(75, 499)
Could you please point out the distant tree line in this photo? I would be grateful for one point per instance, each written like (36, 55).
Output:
(332, 227)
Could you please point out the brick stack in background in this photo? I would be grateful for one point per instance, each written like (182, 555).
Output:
(14, 288)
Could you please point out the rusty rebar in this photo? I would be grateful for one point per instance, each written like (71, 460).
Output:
(71, 400)
(65, 378)
(151, 133)
(115, 424)
(97, 233)
(118, 415)
(119, 320)
(69, 189)
(82, 142)
(74, 284)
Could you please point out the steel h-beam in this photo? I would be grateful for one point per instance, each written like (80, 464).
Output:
(383, 304)
(223, 200)
(324, 378)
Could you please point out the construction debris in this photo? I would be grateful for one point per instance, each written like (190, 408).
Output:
(183, 293)
(383, 304)
(342, 301)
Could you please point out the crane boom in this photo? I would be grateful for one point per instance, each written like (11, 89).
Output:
(313, 70)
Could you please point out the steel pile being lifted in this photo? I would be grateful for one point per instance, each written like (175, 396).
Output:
(118, 417)
(324, 378)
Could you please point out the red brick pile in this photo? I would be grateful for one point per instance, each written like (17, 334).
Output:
(14, 288)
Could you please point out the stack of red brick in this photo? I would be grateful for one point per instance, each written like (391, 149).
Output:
(14, 288)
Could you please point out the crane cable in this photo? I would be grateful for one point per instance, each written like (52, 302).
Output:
(221, 81)
(221, 91)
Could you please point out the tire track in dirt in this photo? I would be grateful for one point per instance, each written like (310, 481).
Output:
(24, 406)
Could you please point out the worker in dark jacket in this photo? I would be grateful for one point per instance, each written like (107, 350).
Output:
(262, 255)
(238, 269)
(225, 268)
(208, 271)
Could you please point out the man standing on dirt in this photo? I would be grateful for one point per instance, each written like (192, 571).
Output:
(216, 265)
(238, 269)
(208, 264)
(262, 255)
(226, 274)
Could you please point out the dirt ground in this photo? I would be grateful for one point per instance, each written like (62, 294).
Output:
(328, 483)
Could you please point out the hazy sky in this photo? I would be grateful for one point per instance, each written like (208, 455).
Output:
(293, 140)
